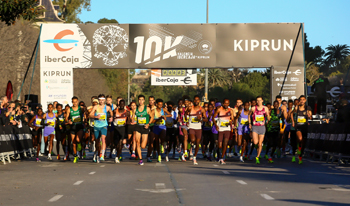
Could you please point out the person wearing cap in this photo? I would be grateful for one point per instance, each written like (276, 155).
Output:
(94, 102)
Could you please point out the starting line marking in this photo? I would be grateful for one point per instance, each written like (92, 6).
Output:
(241, 182)
(103, 165)
(91, 173)
(78, 182)
(160, 186)
(55, 198)
(226, 172)
(267, 197)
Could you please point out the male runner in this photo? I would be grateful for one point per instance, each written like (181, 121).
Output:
(293, 135)
(243, 128)
(304, 114)
(236, 142)
(120, 119)
(197, 115)
(75, 117)
(99, 113)
(170, 123)
(110, 127)
(151, 138)
(257, 117)
(144, 117)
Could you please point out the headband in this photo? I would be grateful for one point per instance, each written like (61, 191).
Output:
(101, 98)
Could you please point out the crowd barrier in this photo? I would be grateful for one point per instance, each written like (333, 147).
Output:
(328, 140)
(15, 141)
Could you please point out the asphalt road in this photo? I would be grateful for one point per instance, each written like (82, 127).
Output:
(174, 183)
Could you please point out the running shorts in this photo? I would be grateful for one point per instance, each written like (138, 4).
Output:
(141, 129)
(224, 135)
(215, 136)
(196, 132)
(99, 131)
(131, 128)
(119, 134)
(243, 130)
(158, 129)
(75, 128)
(37, 132)
(260, 130)
(303, 130)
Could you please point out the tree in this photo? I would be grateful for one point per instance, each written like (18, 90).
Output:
(312, 73)
(106, 21)
(70, 9)
(313, 54)
(215, 77)
(258, 84)
(336, 54)
(11, 10)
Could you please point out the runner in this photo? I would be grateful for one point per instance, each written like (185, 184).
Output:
(223, 125)
(36, 124)
(49, 129)
(235, 143)
(131, 127)
(304, 114)
(197, 115)
(67, 135)
(110, 127)
(293, 135)
(75, 117)
(99, 113)
(120, 119)
(144, 117)
(171, 128)
(257, 117)
(151, 138)
(205, 139)
(252, 146)
(208, 137)
(183, 129)
(60, 130)
(243, 128)
(85, 138)
(159, 129)
(91, 123)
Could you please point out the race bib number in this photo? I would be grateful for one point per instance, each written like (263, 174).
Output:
(76, 119)
(169, 124)
(194, 120)
(38, 122)
(60, 119)
(50, 123)
(301, 119)
(141, 120)
(208, 124)
(160, 122)
(259, 118)
(120, 122)
(186, 119)
(224, 123)
(102, 117)
(244, 121)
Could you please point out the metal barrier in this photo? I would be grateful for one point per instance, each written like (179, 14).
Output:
(15, 141)
(329, 140)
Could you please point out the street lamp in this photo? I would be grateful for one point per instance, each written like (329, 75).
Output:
(206, 69)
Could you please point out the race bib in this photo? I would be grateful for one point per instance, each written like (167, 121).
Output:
(60, 119)
(301, 119)
(11, 118)
(102, 117)
(38, 122)
(141, 120)
(76, 119)
(160, 122)
(169, 124)
(208, 124)
(224, 123)
(244, 121)
(186, 120)
(194, 120)
(259, 118)
(119, 122)
(50, 122)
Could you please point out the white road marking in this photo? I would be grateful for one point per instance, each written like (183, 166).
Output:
(216, 165)
(55, 198)
(226, 172)
(241, 182)
(78, 182)
(103, 165)
(267, 197)
(159, 190)
(91, 173)
(160, 186)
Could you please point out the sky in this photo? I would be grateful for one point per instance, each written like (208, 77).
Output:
(326, 22)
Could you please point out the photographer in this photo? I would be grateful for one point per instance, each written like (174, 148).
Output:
(3, 110)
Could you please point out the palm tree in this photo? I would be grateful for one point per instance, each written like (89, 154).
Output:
(217, 78)
(336, 54)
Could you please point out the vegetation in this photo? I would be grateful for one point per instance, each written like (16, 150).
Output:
(11, 10)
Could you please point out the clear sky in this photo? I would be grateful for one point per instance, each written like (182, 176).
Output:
(326, 22)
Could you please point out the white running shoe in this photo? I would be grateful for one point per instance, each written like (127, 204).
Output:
(167, 158)
(241, 159)
(116, 160)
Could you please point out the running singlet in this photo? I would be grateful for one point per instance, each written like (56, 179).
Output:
(207, 125)
(76, 116)
(169, 122)
(142, 117)
(274, 123)
(158, 115)
(60, 119)
(259, 117)
(183, 118)
(302, 117)
(37, 121)
(50, 120)
(194, 122)
(120, 118)
(102, 121)
(243, 119)
(224, 118)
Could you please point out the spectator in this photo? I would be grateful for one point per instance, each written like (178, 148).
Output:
(320, 90)
(343, 112)
(3, 110)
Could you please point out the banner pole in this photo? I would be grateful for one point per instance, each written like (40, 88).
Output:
(303, 39)
(36, 55)
(128, 86)
(206, 69)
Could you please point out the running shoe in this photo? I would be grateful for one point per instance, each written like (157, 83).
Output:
(159, 158)
(185, 154)
(116, 160)
(149, 159)
(162, 149)
(221, 161)
(179, 158)
(133, 156)
(270, 160)
(49, 158)
(102, 159)
(121, 158)
(97, 160)
(94, 158)
(66, 158)
(58, 157)
(38, 160)
(241, 159)
(76, 159)
(183, 158)
(140, 162)
(166, 158)
(195, 161)
(300, 160)
(293, 159)
(191, 158)
(257, 160)
(266, 157)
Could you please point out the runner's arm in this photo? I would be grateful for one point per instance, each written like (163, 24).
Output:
(111, 113)
(151, 114)
(92, 113)
(204, 114)
(237, 116)
(267, 115)
(67, 115)
(30, 123)
(215, 114)
(167, 113)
